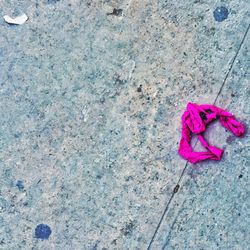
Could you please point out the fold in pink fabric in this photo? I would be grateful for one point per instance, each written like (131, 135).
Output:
(194, 121)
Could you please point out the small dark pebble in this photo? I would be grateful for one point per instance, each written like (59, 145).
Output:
(116, 12)
(240, 176)
(176, 189)
(220, 14)
(42, 231)
(139, 89)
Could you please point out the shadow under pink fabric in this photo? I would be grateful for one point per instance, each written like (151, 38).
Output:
(194, 121)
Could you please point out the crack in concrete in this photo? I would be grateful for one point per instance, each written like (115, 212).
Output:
(185, 167)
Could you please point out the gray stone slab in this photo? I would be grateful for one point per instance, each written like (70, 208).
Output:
(211, 210)
(90, 107)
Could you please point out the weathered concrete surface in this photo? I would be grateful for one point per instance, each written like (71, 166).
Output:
(211, 210)
(90, 114)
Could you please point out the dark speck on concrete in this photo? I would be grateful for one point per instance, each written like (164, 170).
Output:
(116, 12)
(240, 176)
(127, 230)
(42, 231)
(20, 185)
(114, 242)
(220, 14)
(176, 189)
(99, 176)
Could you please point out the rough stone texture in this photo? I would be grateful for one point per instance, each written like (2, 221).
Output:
(211, 210)
(90, 106)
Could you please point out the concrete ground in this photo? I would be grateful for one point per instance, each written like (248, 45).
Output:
(91, 98)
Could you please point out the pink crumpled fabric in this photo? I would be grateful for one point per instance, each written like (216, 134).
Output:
(194, 121)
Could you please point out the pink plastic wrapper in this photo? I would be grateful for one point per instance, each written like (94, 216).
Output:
(194, 121)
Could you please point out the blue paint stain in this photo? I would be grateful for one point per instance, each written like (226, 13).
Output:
(220, 14)
(42, 231)
(20, 185)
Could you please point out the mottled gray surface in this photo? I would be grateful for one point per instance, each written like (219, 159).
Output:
(212, 209)
(90, 108)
